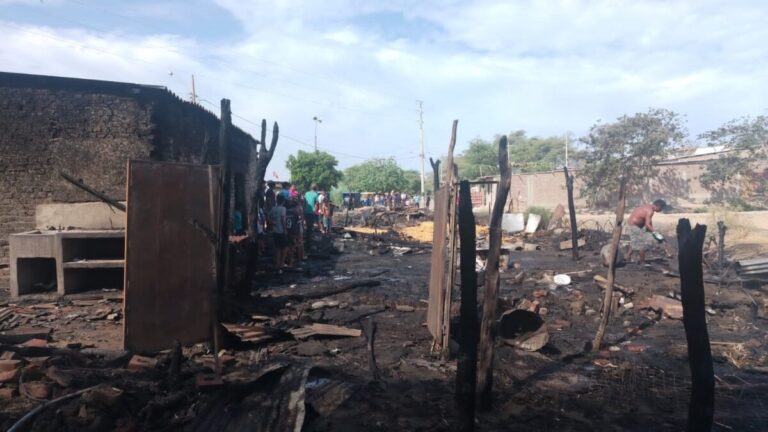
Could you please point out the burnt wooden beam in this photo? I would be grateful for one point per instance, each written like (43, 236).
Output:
(572, 214)
(702, 404)
(369, 330)
(491, 295)
(80, 184)
(466, 370)
(608, 295)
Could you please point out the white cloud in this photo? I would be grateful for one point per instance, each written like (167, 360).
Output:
(543, 66)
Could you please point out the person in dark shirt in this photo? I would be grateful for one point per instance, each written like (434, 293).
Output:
(269, 197)
(279, 233)
(294, 221)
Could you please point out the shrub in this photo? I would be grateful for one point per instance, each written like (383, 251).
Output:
(545, 213)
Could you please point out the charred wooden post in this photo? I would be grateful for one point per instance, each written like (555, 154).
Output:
(265, 157)
(466, 371)
(226, 189)
(608, 296)
(485, 365)
(369, 330)
(436, 175)
(721, 229)
(257, 202)
(702, 405)
(213, 208)
(572, 214)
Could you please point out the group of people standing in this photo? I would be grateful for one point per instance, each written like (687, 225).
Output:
(393, 200)
(288, 220)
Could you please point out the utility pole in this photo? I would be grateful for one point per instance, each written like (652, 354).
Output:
(566, 149)
(421, 144)
(317, 121)
(194, 94)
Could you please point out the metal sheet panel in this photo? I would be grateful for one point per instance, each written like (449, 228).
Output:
(168, 262)
(437, 273)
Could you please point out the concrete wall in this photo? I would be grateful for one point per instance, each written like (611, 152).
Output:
(90, 129)
(678, 183)
(86, 215)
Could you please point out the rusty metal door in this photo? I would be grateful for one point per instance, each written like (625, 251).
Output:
(168, 262)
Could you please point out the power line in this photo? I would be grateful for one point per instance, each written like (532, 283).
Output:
(289, 137)
(175, 50)
(325, 104)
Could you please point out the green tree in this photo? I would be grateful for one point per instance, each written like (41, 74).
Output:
(376, 175)
(413, 182)
(630, 147)
(337, 192)
(535, 154)
(313, 167)
(480, 159)
(736, 177)
(526, 154)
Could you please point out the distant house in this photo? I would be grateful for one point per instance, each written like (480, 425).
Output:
(89, 129)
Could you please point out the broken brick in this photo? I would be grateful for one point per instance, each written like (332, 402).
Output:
(37, 361)
(103, 395)
(138, 362)
(36, 343)
(206, 381)
(8, 365)
(60, 377)
(9, 355)
(9, 376)
(226, 359)
(37, 389)
(7, 393)
(558, 324)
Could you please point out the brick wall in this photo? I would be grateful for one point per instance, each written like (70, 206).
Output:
(89, 129)
(677, 183)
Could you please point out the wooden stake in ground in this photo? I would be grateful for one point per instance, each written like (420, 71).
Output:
(448, 292)
(721, 229)
(572, 214)
(466, 371)
(702, 406)
(608, 297)
(491, 295)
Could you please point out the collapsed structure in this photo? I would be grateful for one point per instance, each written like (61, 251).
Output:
(89, 129)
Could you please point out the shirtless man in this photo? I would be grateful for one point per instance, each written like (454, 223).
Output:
(640, 228)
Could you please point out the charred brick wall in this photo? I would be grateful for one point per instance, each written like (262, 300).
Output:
(89, 129)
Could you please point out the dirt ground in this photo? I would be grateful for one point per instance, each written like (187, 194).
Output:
(640, 382)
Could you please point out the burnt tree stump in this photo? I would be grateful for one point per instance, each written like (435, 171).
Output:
(466, 371)
(702, 404)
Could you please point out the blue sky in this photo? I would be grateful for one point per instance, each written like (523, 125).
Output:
(548, 67)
